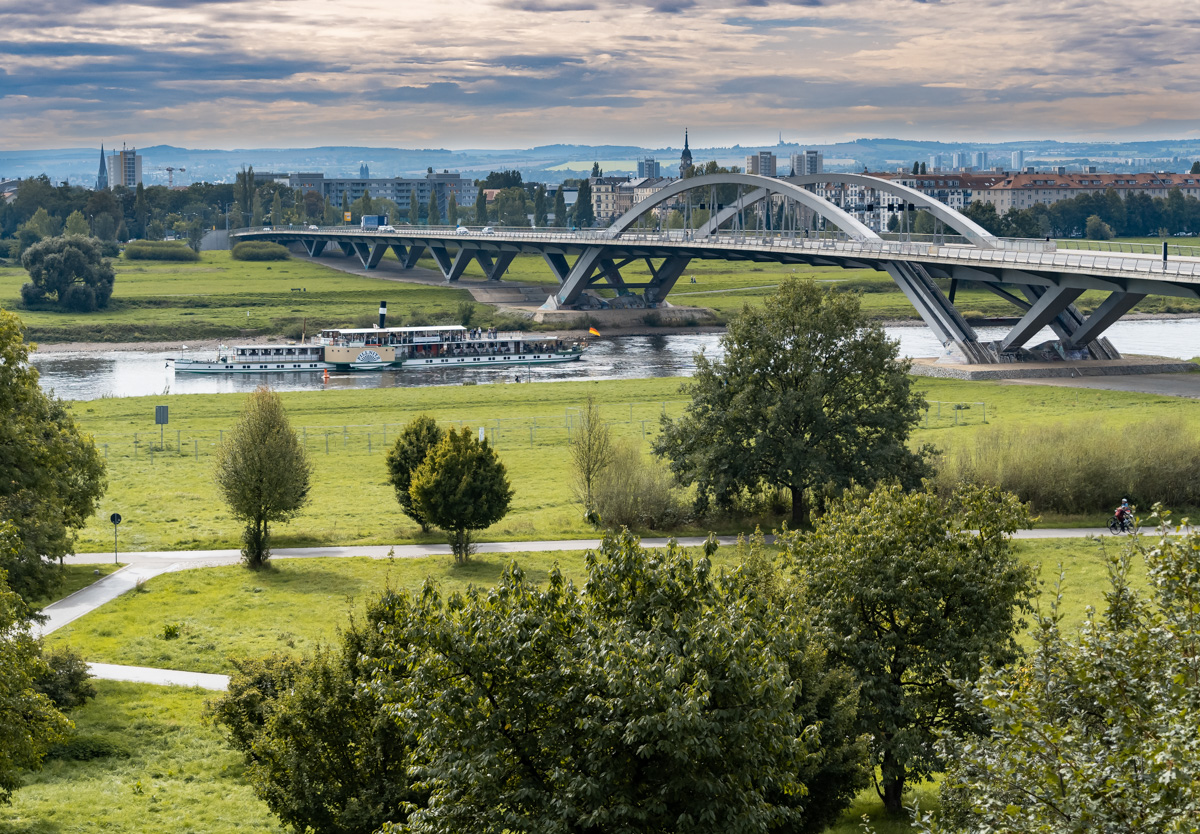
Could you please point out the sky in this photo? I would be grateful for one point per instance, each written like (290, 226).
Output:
(520, 73)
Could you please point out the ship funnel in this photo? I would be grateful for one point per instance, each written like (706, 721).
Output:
(382, 314)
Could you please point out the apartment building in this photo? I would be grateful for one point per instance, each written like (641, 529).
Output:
(400, 190)
(807, 162)
(1023, 190)
(762, 163)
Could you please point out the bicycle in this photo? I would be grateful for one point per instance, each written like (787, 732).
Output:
(1120, 524)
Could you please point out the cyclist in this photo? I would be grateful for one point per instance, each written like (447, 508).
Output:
(1124, 513)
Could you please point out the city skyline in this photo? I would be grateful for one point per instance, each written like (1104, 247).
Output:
(504, 73)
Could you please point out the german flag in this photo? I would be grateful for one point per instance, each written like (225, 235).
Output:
(593, 331)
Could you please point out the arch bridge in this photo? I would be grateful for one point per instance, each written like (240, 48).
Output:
(769, 220)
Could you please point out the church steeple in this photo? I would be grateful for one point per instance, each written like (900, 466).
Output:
(685, 158)
(102, 176)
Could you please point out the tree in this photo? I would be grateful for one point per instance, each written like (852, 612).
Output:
(923, 171)
(597, 171)
(539, 206)
(77, 225)
(915, 592)
(916, 168)
(256, 210)
(452, 210)
(1195, 167)
(480, 208)
(502, 179)
(434, 213)
(1097, 229)
(70, 272)
(560, 207)
(263, 472)
(320, 750)
(1096, 731)
(591, 451)
(243, 190)
(510, 207)
(461, 486)
(31, 723)
(277, 210)
(810, 395)
(404, 458)
(658, 698)
(585, 215)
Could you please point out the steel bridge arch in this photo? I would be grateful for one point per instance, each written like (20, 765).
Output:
(845, 221)
(962, 224)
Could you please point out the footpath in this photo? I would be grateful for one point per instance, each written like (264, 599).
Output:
(145, 565)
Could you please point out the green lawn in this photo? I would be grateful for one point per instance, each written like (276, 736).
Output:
(169, 772)
(168, 499)
(302, 602)
(222, 298)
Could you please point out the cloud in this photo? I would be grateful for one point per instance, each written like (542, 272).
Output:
(474, 72)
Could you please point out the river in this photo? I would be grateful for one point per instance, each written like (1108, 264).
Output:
(89, 376)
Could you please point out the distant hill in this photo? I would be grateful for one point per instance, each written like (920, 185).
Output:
(548, 162)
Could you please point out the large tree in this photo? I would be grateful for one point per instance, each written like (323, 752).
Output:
(51, 475)
(481, 208)
(539, 206)
(657, 699)
(461, 486)
(1097, 730)
(560, 207)
(915, 593)
(262, 472)
(411, 448)
(585, 214)
(70, 272)
(29, 721)
(810, 395)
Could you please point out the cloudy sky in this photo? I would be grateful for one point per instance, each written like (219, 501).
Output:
(518, 73)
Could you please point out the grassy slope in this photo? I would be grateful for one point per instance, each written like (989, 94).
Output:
(179, 775)
(171, 503)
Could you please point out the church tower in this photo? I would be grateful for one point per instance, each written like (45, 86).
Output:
(102, 177)
(685, 159)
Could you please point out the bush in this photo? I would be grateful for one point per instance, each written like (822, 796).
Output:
(1087, 466)
(159, 250)
(636, 492)
(260, 250)
(69, 272)
(66, 680)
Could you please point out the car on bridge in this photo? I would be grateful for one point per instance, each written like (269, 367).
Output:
(487, 230)
(462, 230)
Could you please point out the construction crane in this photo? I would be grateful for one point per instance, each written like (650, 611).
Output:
(170, 169)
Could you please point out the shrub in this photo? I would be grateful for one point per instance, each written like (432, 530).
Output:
(637, 492)
(69, 272)
(159, 250)
(66, 679)
(1086, 466)
(259, 250)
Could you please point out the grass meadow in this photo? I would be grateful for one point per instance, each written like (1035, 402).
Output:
(169, 502)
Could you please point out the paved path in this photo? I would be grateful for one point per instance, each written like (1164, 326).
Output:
(144, 565)
(1170, 385)
(162, 677)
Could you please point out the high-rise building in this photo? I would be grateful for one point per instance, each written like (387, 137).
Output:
(958, 160)
(936, 162)
(125, 168)
(761, 163)
(685, 158)
(102, 175)
(649, 167)
(1018, 160)
(808, 162)
(979, 160)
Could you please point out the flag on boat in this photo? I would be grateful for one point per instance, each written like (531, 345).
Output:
(593, 331)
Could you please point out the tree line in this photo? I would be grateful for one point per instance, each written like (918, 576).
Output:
(1135, 215)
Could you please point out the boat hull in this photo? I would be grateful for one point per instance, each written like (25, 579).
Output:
(189, 366)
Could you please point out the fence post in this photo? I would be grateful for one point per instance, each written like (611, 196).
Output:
(984, 411)
(368, 443)
(326, 442)
(106, 451)
(345, 437)
(178, 447)
(531, 437)
(151, 454)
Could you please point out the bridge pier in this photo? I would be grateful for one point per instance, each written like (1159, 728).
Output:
(313, 247)
(1107, 314)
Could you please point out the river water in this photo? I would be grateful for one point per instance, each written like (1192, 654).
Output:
(89, 376)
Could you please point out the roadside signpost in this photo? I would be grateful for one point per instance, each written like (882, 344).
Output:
(115, 518)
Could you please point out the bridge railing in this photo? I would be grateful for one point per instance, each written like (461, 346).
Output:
(1011, 251)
